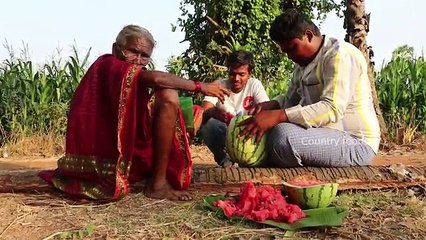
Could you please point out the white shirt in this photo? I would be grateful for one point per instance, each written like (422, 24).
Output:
(240, 103)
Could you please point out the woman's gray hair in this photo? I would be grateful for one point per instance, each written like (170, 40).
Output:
(134, 31)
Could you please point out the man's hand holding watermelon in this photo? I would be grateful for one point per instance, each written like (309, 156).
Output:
(265, 116)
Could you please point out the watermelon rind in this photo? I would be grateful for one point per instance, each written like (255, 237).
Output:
(313, 196)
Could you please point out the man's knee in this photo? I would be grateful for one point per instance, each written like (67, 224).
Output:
(282, 155)
(167, 98)
(212, 128)
(215, 125)
(278, 147)
(287, 130)
(281, 151)
(281, 134)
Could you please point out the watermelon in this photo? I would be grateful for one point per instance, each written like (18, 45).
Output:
(246, 154)
(311, 194)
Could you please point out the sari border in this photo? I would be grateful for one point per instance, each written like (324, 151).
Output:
(184, 146)
(122, 183)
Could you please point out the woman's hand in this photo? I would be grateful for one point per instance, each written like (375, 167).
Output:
(215, 90)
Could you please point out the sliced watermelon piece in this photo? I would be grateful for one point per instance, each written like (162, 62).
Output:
(260, 204)
(311, 194)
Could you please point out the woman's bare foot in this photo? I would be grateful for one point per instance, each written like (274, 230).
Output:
(166, 191)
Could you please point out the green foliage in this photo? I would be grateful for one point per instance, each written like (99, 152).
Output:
(401, 86)
(216, 28)
(36, 101)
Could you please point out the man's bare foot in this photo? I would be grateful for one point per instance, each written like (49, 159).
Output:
(166, 192)
(227, 164)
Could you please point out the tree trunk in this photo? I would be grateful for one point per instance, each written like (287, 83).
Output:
(357, 28)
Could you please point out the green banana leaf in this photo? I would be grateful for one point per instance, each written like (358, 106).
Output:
(319, 217)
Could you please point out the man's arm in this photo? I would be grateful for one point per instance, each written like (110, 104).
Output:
(270, 105)
(340, 75)
(291, 98)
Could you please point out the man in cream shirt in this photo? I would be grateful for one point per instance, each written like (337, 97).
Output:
(327, 117)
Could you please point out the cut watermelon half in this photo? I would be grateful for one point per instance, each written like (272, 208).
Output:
(310, 194)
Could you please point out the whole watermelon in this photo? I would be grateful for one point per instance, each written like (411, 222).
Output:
(249, 153)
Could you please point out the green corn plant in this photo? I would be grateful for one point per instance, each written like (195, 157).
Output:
(401, 86)
(35, 100)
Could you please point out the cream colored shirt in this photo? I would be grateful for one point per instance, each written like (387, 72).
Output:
(334, 91)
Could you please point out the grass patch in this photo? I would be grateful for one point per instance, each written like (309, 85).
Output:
(383, 215)
(43, 145)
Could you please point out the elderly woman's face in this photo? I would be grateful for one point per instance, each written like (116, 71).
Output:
(137, 51)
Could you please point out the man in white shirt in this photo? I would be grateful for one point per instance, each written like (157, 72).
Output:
(246, 92)
(327, 117)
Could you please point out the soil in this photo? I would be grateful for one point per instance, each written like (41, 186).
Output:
(201, 154)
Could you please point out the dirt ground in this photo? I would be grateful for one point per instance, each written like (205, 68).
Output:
(393, 214)
(201, 154)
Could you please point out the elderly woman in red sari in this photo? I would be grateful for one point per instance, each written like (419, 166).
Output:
(125, 125)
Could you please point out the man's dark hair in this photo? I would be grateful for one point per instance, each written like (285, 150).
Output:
(240, 58)
(291, 24)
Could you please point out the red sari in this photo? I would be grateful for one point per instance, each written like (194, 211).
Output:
(109, 136)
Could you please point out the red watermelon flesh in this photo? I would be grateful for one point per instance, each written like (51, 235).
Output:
(260, 204)
(228, 117)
